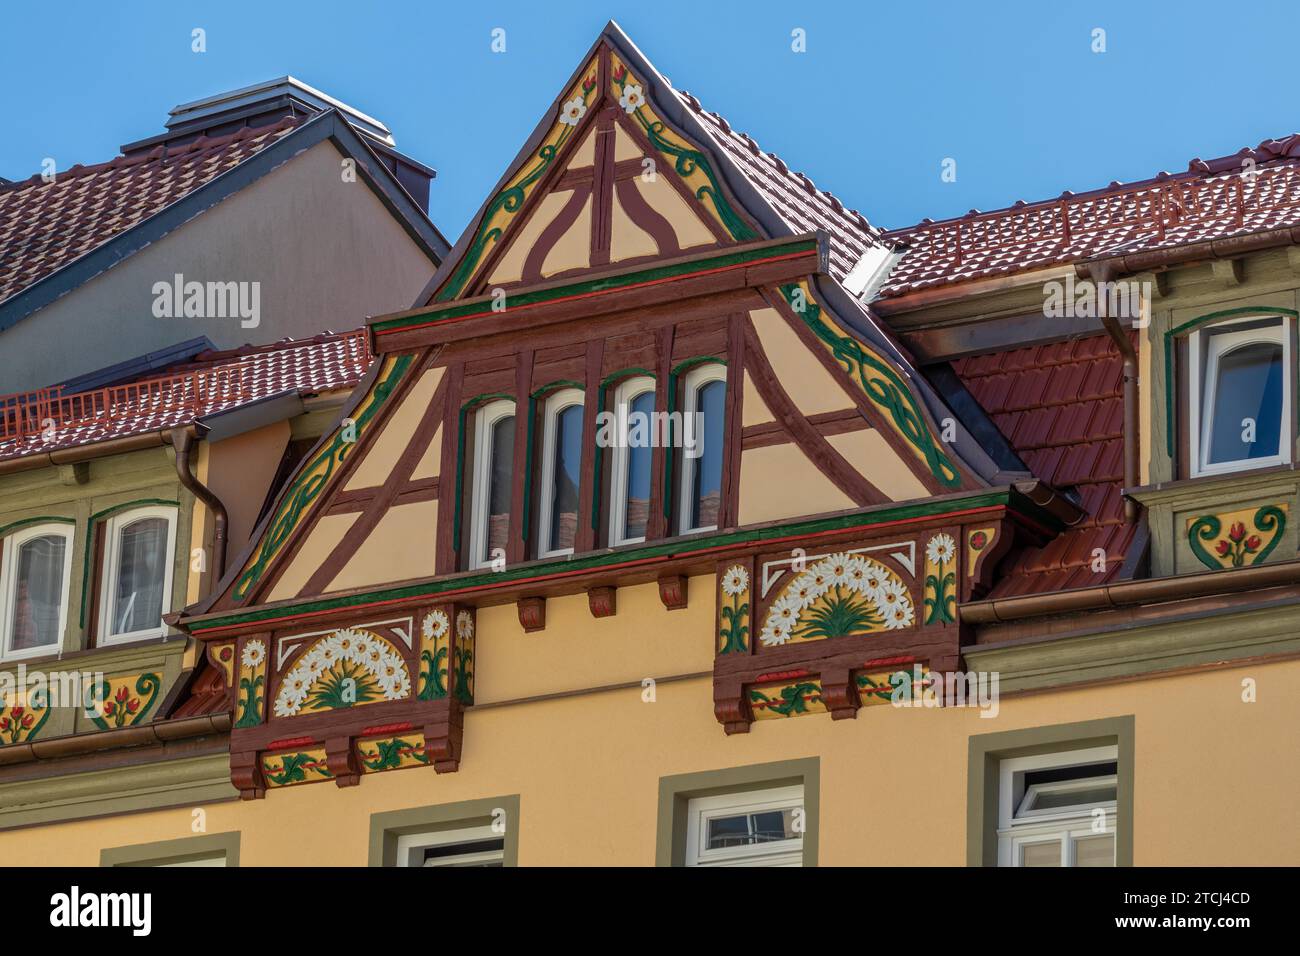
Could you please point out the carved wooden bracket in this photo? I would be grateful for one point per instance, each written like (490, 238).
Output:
(840, 693)
(340, 757)
(731, 706)
(603, 601)
(246, 775)
(672, 591)
(532, 613)
(443, 738)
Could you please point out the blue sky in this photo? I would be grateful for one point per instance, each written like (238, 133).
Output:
(883, 94)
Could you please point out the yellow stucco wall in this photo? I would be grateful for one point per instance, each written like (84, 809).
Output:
(1215, 777)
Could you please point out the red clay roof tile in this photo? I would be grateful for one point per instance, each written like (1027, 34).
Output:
(44, 226)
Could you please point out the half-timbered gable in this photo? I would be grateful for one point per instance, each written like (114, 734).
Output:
(642, 364)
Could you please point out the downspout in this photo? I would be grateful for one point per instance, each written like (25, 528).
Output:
(1101, 274)
(182, 439)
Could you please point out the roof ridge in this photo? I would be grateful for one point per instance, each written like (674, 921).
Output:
(1271, 153)
(202, 144)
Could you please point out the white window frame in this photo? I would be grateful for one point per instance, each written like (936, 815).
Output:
(9, 549)
(695, 380)
(112, 532)
(485, 418)
(700, 810)
(1203, 380)
(627, 392)
(1018, 829)
(409, 842)
(555, 404)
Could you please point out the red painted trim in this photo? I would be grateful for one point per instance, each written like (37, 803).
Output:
(291, 742)
(599, 292)
(266, 623)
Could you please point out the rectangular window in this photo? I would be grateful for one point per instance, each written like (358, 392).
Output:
(755, 828)
(1240, 396)
(757, 815)
(470, 846)
(217, 849)
(35, 570)
(471, 833)
(139, 558)
(1058, 809)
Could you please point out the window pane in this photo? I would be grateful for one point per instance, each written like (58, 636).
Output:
(568, 458)
(1249, 386)
(746, 829)
(1059, 799)
(500, 474)
(38, 597)
(475, 853)
(1095, 851)
(706, 491)
(640, 435)
(141, 567)
(1041, 854)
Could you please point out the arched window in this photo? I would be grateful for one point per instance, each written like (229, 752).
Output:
(35, 568)
(634, 406)
(704, 412)
(493, 471)
(1241, 396)
(561, 472)
(139, 557)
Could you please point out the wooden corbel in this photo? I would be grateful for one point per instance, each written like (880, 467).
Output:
(603, 601)
(532, 613)
(672, 591)
(840, 693)
(341, 758)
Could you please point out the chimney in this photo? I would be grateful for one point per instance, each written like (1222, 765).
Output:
(265, 104)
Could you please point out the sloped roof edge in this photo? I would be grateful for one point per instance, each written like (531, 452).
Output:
(329, 125)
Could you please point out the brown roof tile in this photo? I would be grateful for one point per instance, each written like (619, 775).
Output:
(47, 225)
(1060, 407)
(1213, 199)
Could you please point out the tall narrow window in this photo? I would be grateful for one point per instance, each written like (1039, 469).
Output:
(494, 455)
(561, 472)
(139, 554)
(34, 573)
(634, 406)
(1058, 809)
(703, 415)
(1241, 396)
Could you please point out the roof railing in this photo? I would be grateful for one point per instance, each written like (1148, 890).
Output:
(191, 394)
(1145, 210)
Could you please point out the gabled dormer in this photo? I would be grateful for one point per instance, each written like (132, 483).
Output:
(638, 371)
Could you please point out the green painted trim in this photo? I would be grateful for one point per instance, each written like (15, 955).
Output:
(553, 386)
(1188, 326)
(985, 751)
(1219, 637)
(174, 851)
(457, 514)
(90, 539)
(481, 306)
(1209, 527)
(855, 520)
(526, 519)
(305, 488)
(152, 785)
(43, 519)
(676, 792)
(386, 827)
(896, 400)
(630, 372)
